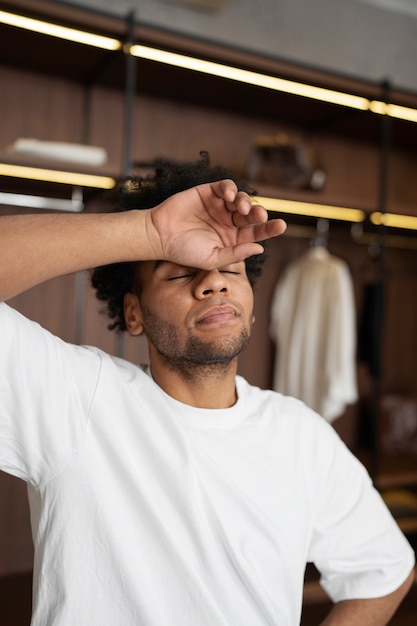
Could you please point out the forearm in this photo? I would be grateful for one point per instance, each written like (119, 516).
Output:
(35, 248)
(208, 226)
(372, 612)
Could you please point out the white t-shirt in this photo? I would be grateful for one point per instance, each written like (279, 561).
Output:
(149, 512)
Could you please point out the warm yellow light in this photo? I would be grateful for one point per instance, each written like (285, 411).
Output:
(273, 82)
(246, 76)
(311, 210)
(394, 220)
(56, 176)
(393, 110)
(62, 32)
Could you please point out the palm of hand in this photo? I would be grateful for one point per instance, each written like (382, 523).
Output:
(210, 226)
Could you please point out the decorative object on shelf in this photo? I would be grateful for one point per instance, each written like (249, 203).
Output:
(74, 205)
(280, 160)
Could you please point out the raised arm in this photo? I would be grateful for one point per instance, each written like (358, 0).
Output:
(206, 226)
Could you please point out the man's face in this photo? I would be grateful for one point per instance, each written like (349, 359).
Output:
(193, 317)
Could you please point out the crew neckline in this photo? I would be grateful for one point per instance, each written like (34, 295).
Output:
(196, 417)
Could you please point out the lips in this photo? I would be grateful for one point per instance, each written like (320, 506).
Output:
(217, 315)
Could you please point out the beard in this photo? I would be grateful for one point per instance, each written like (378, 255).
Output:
(194, 356)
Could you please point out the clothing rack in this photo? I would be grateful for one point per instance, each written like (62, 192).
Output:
(377, 241)
(358, 236)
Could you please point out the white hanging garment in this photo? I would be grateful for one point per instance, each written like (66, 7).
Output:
(313, 326)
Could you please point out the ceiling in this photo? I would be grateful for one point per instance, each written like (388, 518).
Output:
(370, 40)
(406, 7)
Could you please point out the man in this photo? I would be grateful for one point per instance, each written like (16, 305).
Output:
(177, 495)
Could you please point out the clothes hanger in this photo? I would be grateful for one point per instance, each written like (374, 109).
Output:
(322, 233)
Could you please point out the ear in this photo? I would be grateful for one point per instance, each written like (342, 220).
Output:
(133, 314)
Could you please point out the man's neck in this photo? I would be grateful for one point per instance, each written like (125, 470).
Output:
(206, 387)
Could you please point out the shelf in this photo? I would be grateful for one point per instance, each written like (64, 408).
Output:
(400, 478)
(91, 66)
(54, 190)
(408, 525)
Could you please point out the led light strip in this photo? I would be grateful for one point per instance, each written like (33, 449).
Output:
(393, 110)
(249, 77)
(57, 176)
(310, 209)
(394, 220)
(272, 82)
(62, 32)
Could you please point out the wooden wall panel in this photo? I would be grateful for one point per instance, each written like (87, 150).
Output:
(95, 332)
(106, 124)
(51, 304)
(41, 107)
(402, 186)
(400, 323)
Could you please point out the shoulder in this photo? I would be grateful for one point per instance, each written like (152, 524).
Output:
(117, 368)
(288, 411)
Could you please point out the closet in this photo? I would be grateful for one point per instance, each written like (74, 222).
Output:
(138, 110)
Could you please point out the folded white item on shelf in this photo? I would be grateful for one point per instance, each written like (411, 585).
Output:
(74, 152)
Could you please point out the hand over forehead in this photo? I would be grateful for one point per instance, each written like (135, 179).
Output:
(212, 225)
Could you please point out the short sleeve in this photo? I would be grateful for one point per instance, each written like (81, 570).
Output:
(356, 544)
(46, 390)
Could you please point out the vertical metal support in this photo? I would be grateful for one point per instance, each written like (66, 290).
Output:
(385, 148)
(130, 92)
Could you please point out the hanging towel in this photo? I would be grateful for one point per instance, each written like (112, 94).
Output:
(313, 326)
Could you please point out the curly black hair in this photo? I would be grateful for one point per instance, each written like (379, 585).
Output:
(112, 282)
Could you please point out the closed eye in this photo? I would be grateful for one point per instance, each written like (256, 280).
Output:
(181, 275)
(184, 273)
(178, 277)
(233, 268)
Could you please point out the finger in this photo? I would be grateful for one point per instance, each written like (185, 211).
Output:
(256, 215)
(235, 254)
(261, 232)
(272, 228)
(225, 189)
(241, 204)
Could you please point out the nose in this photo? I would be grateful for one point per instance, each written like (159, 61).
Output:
(211, 282)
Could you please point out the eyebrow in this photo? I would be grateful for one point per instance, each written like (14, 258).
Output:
(158, 264)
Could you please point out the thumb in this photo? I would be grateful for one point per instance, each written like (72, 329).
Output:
(235, 254)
